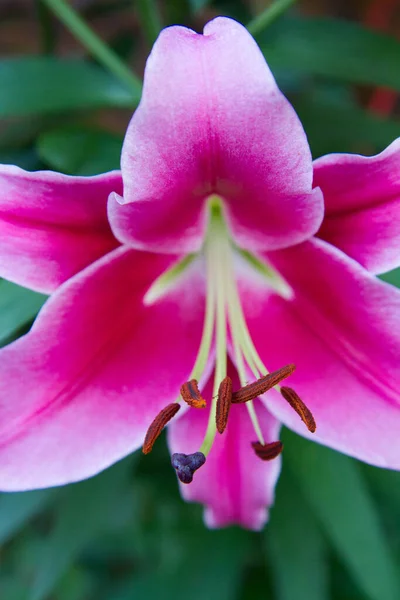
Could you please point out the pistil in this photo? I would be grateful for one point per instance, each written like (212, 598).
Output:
(223, 312)
(215, 247)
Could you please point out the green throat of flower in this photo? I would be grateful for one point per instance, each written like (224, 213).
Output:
(224, 314)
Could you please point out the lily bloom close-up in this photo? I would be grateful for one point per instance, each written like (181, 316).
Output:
(220, 253)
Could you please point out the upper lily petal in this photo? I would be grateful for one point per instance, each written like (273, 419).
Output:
(362, 200)
(213, 121)
(234, 484)
(79, 391)
(52, 225)
(342, 330)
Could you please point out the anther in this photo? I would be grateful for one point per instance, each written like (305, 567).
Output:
(298, 405)
(191, 394)
(158, 425)
(186, 464)
(267, 451)
(223, 404)
(253, 390)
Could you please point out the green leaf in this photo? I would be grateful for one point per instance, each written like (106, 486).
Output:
(295, 545)
(385, 486)
(211, 567)
(341, 126)
(80, 151)
(333, 48)
(264, 19)
(40, 85)
(17, 508)
(197, 5)
(85, 511)
(392, 277)
(150, 19)
(18, 306)
(336, 491)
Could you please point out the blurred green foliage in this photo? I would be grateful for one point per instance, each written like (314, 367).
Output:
(334, 532)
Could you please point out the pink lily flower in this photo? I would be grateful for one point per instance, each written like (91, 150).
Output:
(224, 264)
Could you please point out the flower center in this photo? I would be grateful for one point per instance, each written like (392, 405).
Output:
(225, 323)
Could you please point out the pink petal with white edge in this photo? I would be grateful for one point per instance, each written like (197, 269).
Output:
(52, 225)
(342, 330)
(79, 391)
(235, 485)
(362, 198)
(213, 121)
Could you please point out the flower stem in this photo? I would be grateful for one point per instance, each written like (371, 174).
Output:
(268, 16)
(95, 45)
(149, 18)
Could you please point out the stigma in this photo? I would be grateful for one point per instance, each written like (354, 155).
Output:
(225, 334)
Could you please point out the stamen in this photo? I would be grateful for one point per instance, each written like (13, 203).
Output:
(223, 404)
(262, 385)
(267, 451)
(191, 394)
(187, 464)
(158, 425)
(298, 405)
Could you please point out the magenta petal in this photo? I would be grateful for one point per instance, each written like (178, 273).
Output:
(342, 330)
(362, 197)
(79, 391)
(52, 225)
(213, 121)
(235, 485)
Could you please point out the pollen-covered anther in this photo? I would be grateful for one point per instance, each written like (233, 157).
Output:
(158, 425)
(267, 451)
(262, 385)
(298, 405)
(186, 464)
(223, 404)
(191, 394)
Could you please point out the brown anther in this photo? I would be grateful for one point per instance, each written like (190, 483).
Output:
(253, 390)
(298, 405)
(223, 404)
(158, 425)
(191, 394)
(267, 451)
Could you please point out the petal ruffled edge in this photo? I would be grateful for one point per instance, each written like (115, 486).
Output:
(362, 201)
(52, 225)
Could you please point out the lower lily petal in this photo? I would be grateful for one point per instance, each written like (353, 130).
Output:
(342, 331)
(52, 225)
(79, 391)
(234, 484)
(362, 199)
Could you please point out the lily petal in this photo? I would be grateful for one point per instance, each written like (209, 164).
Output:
(213, 121)
(235, 485)
(79, 391)
(52, 225)
(342, 330)
(362, 199)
